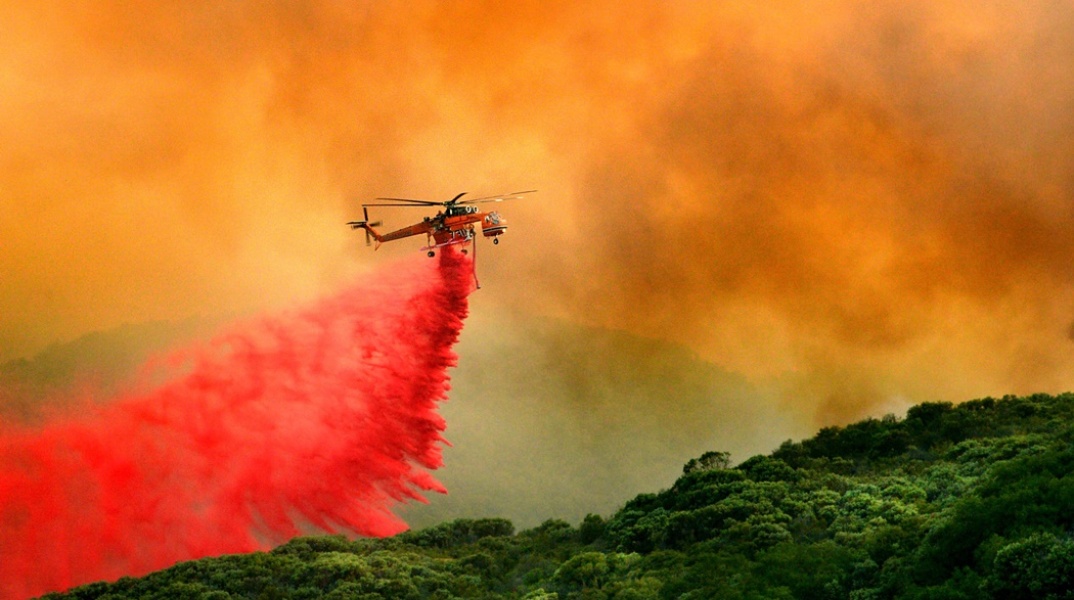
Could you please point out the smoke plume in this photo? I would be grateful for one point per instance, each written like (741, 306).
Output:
(321, 419)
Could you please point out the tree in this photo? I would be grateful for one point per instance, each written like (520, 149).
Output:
(764, 468)
(591, 529)
(585, 570)
(1040, 566)
(709, 461)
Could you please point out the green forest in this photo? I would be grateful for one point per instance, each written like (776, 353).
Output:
(974, 500)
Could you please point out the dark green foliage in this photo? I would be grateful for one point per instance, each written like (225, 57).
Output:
(458, 532)
(954, 501)
(1040, 566)
(591, 529)
(1018, 498)
(931, 426)
(766, 468)
(709, 461)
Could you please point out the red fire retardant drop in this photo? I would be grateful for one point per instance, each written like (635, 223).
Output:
(320, 419)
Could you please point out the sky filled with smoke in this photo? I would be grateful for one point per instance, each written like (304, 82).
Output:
(853, 205)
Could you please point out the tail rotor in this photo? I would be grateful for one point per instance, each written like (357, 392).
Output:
(365, 225)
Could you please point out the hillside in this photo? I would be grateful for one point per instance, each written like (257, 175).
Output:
(966, 501)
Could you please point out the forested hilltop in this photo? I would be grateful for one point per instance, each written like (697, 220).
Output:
(967, 501)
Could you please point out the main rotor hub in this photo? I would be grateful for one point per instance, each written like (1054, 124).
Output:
(455, 209)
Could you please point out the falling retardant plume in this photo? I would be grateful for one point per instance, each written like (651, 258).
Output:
(320, 419)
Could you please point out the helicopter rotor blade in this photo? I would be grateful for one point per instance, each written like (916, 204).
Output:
(499, 198)
(423, 204)
(368, 234)
(368, 238)
(409, 200)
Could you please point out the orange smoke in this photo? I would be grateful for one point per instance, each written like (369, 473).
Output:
(860, 206)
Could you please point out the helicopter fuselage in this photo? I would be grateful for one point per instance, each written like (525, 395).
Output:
(446, 228)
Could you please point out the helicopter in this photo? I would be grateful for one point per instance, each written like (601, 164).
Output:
(455, 224)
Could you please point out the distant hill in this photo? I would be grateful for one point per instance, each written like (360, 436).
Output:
(548, 418)
(98, 363)
(545, 417)
(966, 501)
